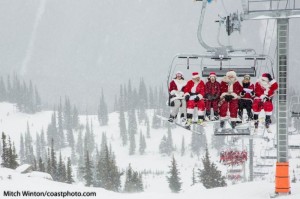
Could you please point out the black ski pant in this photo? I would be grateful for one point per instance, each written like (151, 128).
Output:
(245, 104)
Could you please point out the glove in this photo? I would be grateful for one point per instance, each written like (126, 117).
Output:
(243, 93)
(197, 99)
(266, 98)
(252, 93)
(187, 97)
(228, 98)
(209, 97)
(171, 96)
(214, 97)
(269, 77)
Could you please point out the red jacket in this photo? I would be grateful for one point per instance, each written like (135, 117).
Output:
(235, 89)
(268, 91)
(213, 88)
(248, 95)
(198, 89)
(176, 85)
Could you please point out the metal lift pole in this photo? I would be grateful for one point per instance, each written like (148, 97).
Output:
(282, 166)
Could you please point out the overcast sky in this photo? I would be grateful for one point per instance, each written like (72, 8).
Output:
(77, 47)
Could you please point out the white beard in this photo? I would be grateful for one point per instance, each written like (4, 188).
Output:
(264, 84)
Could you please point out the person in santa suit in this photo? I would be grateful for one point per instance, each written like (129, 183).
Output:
(230, 91)
(177, 99)
(194, 92)
(264, 90)
(246, 99)
(212, 96)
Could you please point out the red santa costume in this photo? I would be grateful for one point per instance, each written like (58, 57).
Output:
(177, 96)
(230, 91)
(212, 95)
(194, 92)
(264, 90)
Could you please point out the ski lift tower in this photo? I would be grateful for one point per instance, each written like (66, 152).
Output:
(281, 11)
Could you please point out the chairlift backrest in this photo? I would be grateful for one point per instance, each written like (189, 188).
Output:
(221, 72)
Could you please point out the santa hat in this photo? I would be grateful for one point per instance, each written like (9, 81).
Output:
(179, 73)
(265, 77)
(212, 74)
(231, 73)
(195, 75)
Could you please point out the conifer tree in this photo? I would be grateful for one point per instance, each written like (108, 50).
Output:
(22, 150)
(69, 177)
(61, 137)
(88, 175)
(41, 165)
(143, 145)
(173, 178)
(75, 118)
(133, 181)
(148, 127)
(122, 123)
(102, 111)
(210, 176)
(163, 146)
(38, 146)
(194, 181)
(170, 147)
(5, 152)
(53, 162)
(3, 94)
(61, 170)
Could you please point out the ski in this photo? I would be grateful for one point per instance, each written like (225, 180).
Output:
(188, 128)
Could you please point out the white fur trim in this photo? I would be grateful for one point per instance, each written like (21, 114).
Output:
(195, 76)
(234, 119)
(256, 113)
(235, 95)
(173, 92)
(190, 111)
(200, 113)
(223, 94)
(180, 83)
(185, 94)
(268, 113)
(262, 97)
(200, 96)
(272, 82)
(223, 118)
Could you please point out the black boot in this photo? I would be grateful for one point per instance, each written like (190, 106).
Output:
(233, 124)
(268, 121)
(250, 116)
(171, 118)
(255, 117)
(216, 115)
(222, 123)
(208, 115)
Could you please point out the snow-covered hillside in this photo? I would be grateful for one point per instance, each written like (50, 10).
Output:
(13, 123)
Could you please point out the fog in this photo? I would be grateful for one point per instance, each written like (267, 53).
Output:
(77, 47)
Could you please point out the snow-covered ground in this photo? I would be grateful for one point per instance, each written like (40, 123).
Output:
(13, 123)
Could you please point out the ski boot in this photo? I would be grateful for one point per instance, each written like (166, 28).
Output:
(233, 125)
(222, 123)
(216, 115)
(200, 120)
(267, 123)
(255, 118)
(171, 119)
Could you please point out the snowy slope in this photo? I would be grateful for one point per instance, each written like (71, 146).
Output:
(13, 123)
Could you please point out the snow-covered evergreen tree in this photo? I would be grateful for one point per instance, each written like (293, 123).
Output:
(102, 111)
(210, 176)
(173, 178)
(69, 176)
(143, 144)
(87, 170)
